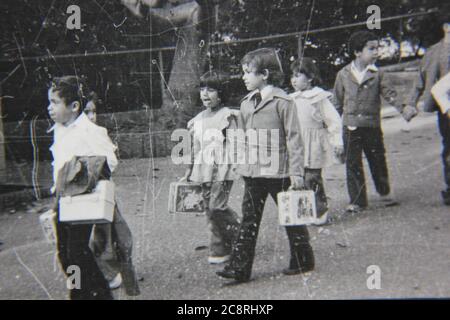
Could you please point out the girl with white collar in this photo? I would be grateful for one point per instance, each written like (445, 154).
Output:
(321, 127)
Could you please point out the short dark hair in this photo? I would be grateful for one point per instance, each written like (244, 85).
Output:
(266, 58)
(307, 66)
(219, 81)
(71, 89)
(358, 40)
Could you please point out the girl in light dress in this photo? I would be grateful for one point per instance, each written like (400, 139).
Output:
(211, 165)
(321, 128)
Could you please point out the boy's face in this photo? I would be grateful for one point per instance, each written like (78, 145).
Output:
(210, 97)
(369, 54)
(58, 110)
(446, 27)
(91, 111)
(253, 80)
(300, 81)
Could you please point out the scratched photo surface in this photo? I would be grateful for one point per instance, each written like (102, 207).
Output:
(147, 61)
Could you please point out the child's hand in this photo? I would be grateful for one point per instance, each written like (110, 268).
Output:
(297, 183)
(186, 176)
(409, 112)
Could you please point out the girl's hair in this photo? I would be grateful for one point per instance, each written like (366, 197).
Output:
(359, 39)
(266, 59)
(219, 81)
(72, 89)
(307, 66)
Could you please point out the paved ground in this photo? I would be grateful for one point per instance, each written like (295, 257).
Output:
(410, 243)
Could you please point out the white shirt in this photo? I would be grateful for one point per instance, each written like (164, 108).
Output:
(359, 75)
(266, 91)
(80, 138)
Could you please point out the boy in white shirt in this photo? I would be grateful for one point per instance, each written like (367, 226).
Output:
(76, 135)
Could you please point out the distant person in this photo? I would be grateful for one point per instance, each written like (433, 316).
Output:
(358, 89)
(112, 243)
(320, 125)
(435, 65)
(212, 164)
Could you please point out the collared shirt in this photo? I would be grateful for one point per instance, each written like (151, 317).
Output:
(264, 93)
(80, 138)
(359, 75)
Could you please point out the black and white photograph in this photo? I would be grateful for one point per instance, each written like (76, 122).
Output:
(206, 150)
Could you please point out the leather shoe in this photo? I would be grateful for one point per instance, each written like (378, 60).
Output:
(295, 271)
(229, 273)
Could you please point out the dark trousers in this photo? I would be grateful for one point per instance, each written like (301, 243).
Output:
(256, 192)
(444, 128)
(370, 141)
(73, 250)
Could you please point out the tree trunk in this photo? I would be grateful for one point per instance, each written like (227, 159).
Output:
(180, 99)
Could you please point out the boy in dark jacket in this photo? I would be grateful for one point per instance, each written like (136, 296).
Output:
(268, 108)
(358, 90)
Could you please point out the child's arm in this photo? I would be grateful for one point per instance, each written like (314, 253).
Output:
(333, 121)
(294, 142)
(190, 166)
(231, 143)
(338, 99)
(418, 87)
(102, 145)
(391, 96)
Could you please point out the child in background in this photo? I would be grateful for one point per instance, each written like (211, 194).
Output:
(112, 243)
(320, 125)
(268, 109)
(211, 163)
(76, 135)
(358, 89)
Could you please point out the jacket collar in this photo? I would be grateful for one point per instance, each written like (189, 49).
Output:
(370, 74)
(268, 96)
(80, 120)
(314, 95)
